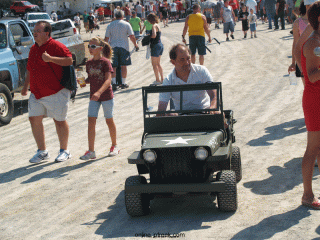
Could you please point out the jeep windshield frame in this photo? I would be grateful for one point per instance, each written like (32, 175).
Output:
(184, 120)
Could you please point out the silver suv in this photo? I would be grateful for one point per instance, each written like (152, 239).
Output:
(32, 18)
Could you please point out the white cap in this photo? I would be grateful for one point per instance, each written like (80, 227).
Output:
(309, 2)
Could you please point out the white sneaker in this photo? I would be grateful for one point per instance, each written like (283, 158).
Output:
(88, 155)
(40, 156)
(63, 156)
(155, 83)
(114, 150)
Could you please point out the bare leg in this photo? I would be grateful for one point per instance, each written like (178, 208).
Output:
(38, 131)
(201, 59)
(112, 130)
(62, 128)
(313, 149)
(124, 71)
(193, 59)
(157, 68)
(91, 132)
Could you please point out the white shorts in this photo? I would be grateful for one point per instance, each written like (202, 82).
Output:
(54, 106)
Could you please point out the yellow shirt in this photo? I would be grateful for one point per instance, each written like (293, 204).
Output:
(195, 24)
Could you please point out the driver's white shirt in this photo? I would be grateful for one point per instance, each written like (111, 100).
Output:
(191, 99)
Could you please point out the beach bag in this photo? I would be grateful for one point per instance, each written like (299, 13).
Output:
(146, 40)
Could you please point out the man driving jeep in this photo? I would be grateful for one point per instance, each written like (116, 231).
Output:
(185, 72)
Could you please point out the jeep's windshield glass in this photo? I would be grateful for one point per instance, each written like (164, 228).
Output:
(3, 38)
(38, 16)
(27, 3)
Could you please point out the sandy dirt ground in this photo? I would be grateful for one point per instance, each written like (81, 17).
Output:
(85, 200)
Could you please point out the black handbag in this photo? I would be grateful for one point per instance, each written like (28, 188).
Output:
(68, 80)
(146, 40)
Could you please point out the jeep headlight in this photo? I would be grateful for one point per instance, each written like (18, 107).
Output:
(150, 156)
(201, 153)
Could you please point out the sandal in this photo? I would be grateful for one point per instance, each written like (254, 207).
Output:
(314, 205)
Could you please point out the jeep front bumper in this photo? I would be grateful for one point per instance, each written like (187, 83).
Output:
(218, 186)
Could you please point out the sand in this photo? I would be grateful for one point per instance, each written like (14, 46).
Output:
(85, 200)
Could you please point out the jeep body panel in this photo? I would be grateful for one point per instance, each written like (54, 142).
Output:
(211, 140)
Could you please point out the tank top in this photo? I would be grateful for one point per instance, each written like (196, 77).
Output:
(195, 24)
(157, 39)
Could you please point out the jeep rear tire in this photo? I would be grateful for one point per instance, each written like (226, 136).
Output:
(6, 105)
(227, 200)
(137, 204)
(236, 163)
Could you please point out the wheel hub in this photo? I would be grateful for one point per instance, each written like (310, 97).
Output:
(3, 105)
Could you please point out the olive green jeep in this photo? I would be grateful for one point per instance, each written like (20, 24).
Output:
(189, 153)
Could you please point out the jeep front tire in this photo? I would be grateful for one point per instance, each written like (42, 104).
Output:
(227, 200)
(137, 204)
(6, 105)
(236, 163)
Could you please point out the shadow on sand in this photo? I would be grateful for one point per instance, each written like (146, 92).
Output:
(282, 179)
(168, 215)
(279, 132)
(272, 225)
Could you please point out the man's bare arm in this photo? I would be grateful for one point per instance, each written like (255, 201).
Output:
(62, 61)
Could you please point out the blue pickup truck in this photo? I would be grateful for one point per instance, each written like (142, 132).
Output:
(16, 40)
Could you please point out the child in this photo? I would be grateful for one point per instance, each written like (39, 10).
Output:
(243, 16)
(99, 71)
(91, 22)
(135, 24)
(253, 22)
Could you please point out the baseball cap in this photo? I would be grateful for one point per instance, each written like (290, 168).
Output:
(309, 2)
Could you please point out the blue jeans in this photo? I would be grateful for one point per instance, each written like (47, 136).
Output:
(270, 17)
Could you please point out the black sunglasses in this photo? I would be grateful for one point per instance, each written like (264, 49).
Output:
(93, 46)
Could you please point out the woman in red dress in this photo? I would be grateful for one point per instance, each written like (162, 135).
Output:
(311, 105)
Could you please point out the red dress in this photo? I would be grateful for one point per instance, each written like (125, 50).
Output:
(310, 100)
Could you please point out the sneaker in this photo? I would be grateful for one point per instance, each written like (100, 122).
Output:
(124, 86)
(227, 39)
(63, 156)
(255, 36)
(245, 36)
(155, 83)
(251, 36)
(88, 155)
(115, 87)
(114, 150)
(40, 156)
(232, 36)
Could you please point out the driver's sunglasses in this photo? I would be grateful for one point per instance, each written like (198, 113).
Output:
(93, 46)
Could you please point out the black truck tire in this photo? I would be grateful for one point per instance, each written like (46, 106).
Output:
(227, 200)
(137, 204)
(6, 105)
(236, 163)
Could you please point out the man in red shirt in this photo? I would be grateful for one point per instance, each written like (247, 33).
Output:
(48, 97)
(235, 7)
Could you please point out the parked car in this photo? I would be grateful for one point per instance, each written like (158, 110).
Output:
(32, 18)
(22, 7)
(63, 28)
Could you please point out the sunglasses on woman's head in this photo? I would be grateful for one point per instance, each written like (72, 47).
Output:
(93, 46)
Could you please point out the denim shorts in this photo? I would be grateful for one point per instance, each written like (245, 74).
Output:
(197, 42)
(228, 26)
(252, 27)
(156, 49)
(54, 106)
(121, 57)
(107, 107)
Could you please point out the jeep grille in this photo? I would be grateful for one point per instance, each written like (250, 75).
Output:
(177, 165)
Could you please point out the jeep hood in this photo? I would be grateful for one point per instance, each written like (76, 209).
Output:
(190, 139)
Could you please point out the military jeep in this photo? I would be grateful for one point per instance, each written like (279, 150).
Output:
(189, 153)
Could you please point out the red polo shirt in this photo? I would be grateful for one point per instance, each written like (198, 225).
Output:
(43, 81)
